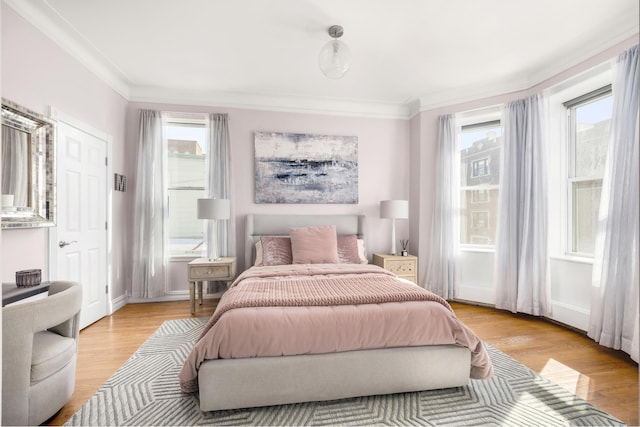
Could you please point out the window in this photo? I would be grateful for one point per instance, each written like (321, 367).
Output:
(480, 219)
(479, 196)
(480, 147)
(589, 117)
(186, 147)
(480, 168)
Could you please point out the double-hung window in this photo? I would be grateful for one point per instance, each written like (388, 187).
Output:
(480, 145)
(589, 118)
(186, 138)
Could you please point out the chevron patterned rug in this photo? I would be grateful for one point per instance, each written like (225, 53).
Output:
(145, 391)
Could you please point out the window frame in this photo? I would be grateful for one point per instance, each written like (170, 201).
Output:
(194, 120)
(570, 107)
(475, 195)
(474, 120)
(485, 167)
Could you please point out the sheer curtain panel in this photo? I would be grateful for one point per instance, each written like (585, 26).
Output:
(444, 224)
(522, 266)
(219, 183)
(150, 210)
(614, 320)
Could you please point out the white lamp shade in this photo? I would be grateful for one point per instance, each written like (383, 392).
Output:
(394, 209)
(214, 208)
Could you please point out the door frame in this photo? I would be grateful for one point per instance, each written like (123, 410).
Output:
(59, 116)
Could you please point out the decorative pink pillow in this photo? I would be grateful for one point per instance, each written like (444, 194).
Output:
(348, 249)
(314, 245)
(276, 251)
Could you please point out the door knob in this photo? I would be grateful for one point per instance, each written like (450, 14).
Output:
(62, 243)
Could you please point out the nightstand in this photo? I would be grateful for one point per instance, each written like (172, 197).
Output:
(203, 270)
(402, 266)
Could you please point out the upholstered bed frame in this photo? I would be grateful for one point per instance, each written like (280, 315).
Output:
(264, 381)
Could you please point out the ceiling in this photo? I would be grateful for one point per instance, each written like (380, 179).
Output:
(407, 55)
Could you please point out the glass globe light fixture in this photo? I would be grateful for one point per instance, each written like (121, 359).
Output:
(335, 56)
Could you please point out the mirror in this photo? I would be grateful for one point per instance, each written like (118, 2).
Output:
(28, 168)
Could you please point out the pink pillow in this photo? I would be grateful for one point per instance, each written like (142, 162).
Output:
(348, 249)
(314, 245)
(276, 250)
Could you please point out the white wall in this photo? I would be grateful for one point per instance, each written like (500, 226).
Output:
(37, 74)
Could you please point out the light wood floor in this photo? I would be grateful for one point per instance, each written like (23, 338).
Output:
(606, 378)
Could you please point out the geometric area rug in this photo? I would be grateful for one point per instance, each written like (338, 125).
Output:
(145, 391)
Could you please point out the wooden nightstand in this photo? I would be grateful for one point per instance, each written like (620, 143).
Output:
(402, 266)
(203, 270)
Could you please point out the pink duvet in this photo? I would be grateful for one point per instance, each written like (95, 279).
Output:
(324, 308)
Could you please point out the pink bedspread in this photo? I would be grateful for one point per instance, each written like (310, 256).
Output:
(324, 308)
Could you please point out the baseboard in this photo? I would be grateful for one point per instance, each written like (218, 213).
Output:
(118, 303)
(475, 294)
(567, 314)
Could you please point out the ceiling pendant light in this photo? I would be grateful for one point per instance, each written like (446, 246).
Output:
(335, 56)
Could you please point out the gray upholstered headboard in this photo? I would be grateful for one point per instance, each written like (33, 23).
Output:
(278, 225)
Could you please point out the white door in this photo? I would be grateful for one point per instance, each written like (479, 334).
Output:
(81, 232)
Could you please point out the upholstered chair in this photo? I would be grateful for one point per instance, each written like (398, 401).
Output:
(39, 352)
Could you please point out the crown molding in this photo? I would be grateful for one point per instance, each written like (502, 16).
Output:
(624, 38)
(470, 93)
(270, 102)
(52, 25)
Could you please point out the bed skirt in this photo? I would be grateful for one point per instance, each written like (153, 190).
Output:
(265, 381)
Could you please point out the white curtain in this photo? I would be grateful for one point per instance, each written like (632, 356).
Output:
(150, 210)
(614, 320)
(444, 224)
(219, 183)
(522, 267)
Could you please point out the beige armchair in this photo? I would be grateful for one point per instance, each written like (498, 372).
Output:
(39, 351)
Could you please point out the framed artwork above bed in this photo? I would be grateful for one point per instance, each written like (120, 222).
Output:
(306, 168)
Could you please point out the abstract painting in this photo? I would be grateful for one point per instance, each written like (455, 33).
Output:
(306, 168)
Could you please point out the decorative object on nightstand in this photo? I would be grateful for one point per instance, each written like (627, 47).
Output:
(394, 209)
(405, 245)
(216, 209)
(202, 270)
(402, 266)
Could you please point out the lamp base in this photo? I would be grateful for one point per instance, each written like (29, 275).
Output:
(393, 237)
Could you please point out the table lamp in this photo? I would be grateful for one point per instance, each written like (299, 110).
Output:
(214, 209)
(394, 209)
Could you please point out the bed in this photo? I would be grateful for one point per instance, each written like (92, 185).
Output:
(347, 338)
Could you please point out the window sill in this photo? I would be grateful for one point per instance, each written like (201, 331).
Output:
(572, 258)
(185, 255)
(479, 250)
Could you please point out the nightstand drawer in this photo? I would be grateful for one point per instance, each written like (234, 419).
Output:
(210, 272)
(405, 267)
(401, 267)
